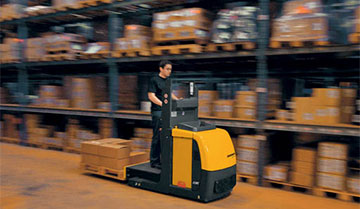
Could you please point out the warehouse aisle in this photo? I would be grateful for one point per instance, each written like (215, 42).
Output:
(35, 178)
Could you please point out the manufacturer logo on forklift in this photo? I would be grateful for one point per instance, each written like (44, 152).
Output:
(232, 154)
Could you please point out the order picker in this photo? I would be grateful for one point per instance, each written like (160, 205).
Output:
(198, 160)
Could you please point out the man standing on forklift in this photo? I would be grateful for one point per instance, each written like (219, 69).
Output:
(155, 95)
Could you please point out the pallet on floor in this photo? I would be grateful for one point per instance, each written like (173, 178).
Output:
(10, 140)
(297, 44)
(354, 38)
(236, 46)
(247, 179)
(288, 186)
(177, 49)
(341, 195)
(102, 171)
(72, 150)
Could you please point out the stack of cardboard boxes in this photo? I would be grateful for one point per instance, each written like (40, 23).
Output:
(87, 92)
(353, 184)
(11, 11)
(326, 106)
(136, 39)
(34, 49)
(110, 153)
(332, 165)
(32, 122)
(245, 105)
(224, 108)
(141, 142)
(71, 45)
(206, 102)
(105, 127)
(277, 172)
(302, 20)
(303, 167)
(181, 25)
(247, 147)
(11, 126)
(76, 134)
(128, 92)
(51, 96)
(11, 49)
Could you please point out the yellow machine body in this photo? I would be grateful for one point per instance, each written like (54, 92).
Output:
(216, 153)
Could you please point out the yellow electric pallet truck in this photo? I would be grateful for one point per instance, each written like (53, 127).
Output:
(198, 160)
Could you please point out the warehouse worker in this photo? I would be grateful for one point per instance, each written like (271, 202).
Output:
(155, 94)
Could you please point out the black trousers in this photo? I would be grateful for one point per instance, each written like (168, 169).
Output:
(155, 143)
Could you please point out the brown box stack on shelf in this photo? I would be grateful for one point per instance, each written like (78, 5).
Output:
(11, 126)
(128, 92)
(332, 165)
(51, 96)
(136, 38)
(181, 25)
(348, 104)
(34, 49)
(282, 115)
(12, 11)
(71, 45)
(206, 102)
(303, 167)
(224, 108)
(353, 184)
(110, 153)
(11, 49)
(105, 127)
(245, 105)
(87, 92)
(141, 142)
(32, 122)
(303, 110)
(277, 172)
(302, 20)
(71, 129)
(4, 96)
(59, 4)
(247, 147)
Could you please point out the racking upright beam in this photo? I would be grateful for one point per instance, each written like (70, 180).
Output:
(262, 42)
(114, 22)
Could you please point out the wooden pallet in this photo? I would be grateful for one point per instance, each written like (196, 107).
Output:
(288, 186)
(34, 144)
(98, 55)
(72, 150)
(102, 171)
(177, 49)
(89, 3)
(237, 46)
(10, 60)
(59, 57)
(67, 7)
(52, 146)
(341, 195)
(354, 38)
(10, 140)
(247, 179)
(132, 53)
(297, 44)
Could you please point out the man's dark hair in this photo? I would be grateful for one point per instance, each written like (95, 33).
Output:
(164, 62)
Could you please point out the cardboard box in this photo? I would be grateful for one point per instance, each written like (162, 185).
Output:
(249, 155)
(276, 172)
(303, 109)
(247, 168)
(347, 113)
(348, 97)
(207, 96)
(245, 113)
(223, 108)
(302, 179)
(303, 167)
(205, 108)
(117, 164)
(330, 181)
(333, 150)
(327, 97)
(294, 7)
(282, 115)
(115, 151)
(249, 141)
(353, 184)
(327, 115)
(332, 166)
(90, 159)
(304, 154)
(90, 147)
(138, 157)
(246, 99)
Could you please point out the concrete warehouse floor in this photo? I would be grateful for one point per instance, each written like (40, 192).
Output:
(36, 178)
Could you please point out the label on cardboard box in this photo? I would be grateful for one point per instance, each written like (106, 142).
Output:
(249, 155)
(333, 150)
(247, 168)
(330, 181)
(333, 166)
